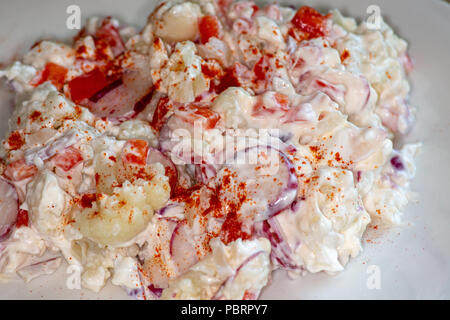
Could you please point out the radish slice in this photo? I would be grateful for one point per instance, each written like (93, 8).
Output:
(157, 270)
(181, 249)
(267, 176)
(9, 207)
(155, 156)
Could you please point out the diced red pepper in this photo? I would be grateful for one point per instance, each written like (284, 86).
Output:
(202, 115)
(86, 85)
(162, 108)
(262, 68)
(310, 22)
(68, 158)
(19, 170)
(135, 151)
(52, 72)
(22, 218)
(209, 26)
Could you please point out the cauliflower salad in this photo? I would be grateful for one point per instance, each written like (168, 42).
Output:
(192, 158)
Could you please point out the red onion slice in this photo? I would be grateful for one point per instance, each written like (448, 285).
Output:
(157, 292)
(171, 210)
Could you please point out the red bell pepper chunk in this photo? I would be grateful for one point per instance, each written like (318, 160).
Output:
(162, 108)
(135, 151)
(201, 115)
(310, 22)
(262, 68)
(209, 26)
(68, 158)
(86, 85)
(52, 72)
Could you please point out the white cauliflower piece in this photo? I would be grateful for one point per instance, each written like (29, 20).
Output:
(20, 73)
(47, 51)
(117, 218)
(179, 22)
(182, 78)
(46, 202)
(234, 105)
(137, 129)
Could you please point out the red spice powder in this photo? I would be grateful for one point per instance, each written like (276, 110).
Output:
(87, 199)
(345, 55)
(15, 140)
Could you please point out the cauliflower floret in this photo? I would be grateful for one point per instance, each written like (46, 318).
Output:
(126, 272)
(47, 51)
(182, 78)
(117, 218)
(46, 108)
(179, 22)
(230, 271)
(47, 202)
(234, 104)
(20, 73)
(137, 129)
(96, 262)
(331, 222)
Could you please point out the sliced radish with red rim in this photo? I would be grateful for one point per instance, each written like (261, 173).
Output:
(262, 174)
(181, 249)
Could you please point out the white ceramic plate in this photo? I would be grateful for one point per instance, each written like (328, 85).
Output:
(413, 260)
